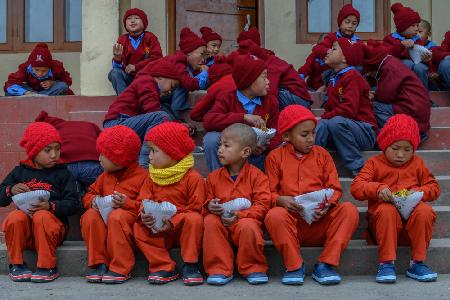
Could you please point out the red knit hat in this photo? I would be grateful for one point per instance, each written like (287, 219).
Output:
(40, 56)
(374, 53)
(246, 69)
(293, 115)
(219, 69)
(164, 68)
(172, 138)
(135, 11)
(189, 41)
(353, 51)
(404, 16)
(209, 35)
(399, 127)
(38, 135)
(346, 11)
(120, 144)
(251, 34)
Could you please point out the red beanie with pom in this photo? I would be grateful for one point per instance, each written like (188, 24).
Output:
(189, 41)
(219, 69)
(37, 136)
(135, 11)
(292, 115)
(374, 53)
(251, 34)
(164, 68)
(404, 16)
(209, 35)
(172, 138)
(346, 11)
(246, 69)
(353, 51)
(397, 128)
(120, 144)
(40, 56)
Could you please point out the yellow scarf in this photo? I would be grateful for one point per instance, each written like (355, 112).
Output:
(172, 174)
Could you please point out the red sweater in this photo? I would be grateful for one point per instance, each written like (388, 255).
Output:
(399, 86)
(223, 85)
(349, 98)
(396, 48)
(148, 50)
(440, 52)
(312, 70)
(21, 77)
(179, 59)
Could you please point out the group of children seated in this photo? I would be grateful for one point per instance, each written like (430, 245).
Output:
(146, 152)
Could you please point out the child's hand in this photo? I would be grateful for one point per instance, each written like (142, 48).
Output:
(118, 199)
(318, 214)
(167, 225)
(94, 203)
(117, 52)
(289, 203)
(204, 68)
(214, 207)
(255, 121)
(130, 69)
(371, 95)
(42, 205)
(147, 219)
(19, 188)
(408, 43)
(47, 84)
(426, 56)
(228, 221)
(386, 195)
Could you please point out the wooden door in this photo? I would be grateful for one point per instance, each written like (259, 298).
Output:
(226, 17)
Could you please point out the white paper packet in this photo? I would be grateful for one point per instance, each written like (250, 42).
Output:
(104, 205)
(263, 137)
(160, 211)
(405, 205)
(312, 201)
(416, 53)
(24, 201)
(235, 205)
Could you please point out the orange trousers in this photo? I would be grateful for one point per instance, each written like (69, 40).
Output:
(389, 230)
(43, 232)
(110, 244)
(288, 232)
(218, 253)
(155, 247)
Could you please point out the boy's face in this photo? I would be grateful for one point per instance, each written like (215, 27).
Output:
(230, 149)
(302, 136)
(423, 33)
(197, 57)
(260, 87)
(48, 157)
(411, 31)
(399, 153)
(166, 85)
(213, 47)
(134, 24)
(40, 71)
(348, 25)
(335, 56)
(107, 165)
(158, 158)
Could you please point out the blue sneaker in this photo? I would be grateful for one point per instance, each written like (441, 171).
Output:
(421, 272)
(386, 273)
(296, 277)
(325, 274)
(257, 278)
(218, 279)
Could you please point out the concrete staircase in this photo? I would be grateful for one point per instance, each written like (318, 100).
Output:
(359, 259)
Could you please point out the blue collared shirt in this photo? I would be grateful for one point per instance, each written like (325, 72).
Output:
(248, 104)
(335, 78)
(400, 37)
(210, 61)
(430, 45)
(135, 42)
(353, 38)
(202, 77)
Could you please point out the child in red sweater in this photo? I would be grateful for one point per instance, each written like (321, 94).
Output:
(312, 70)
(132, 50)
(213, 42)
(397, 169)
(441, 58)
(348, 122)
(40, 74)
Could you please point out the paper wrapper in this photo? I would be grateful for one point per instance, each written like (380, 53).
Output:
(24, 201)
(235, 205)
(416, 53)
(263, 137)
(160, 211)
(406, 205)
(313, 201)
(104, 205)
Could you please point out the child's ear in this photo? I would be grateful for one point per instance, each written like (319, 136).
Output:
(246, 152)
(286, 136)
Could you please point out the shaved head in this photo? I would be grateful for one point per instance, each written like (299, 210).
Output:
(243, 133)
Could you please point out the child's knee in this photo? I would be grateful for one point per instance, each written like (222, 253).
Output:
(90, 216)
(386, 212)
(248, 227)
(421, 68)
(115, 74)
(41, 217)
(423, 212)
(212, 222)
(193, 219)
(276, 216)
(350, 211)
(14, 218)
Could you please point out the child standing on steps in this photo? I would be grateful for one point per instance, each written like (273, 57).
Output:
(396, 169)
(236, 179)
(47, 227)
(172, 179)
(298, 167)
(109, 242)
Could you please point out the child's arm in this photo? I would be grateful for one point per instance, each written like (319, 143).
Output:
(69, 204)
(7, 185)
(14, 84)
(273, 174)
(204, 105)
(61, 74)
(428, 184)
(363, 187)
(187, 82)
(147, 95)
(320, 50)
(331, 178)
(261, 198)
(94, 190)
(219, 117)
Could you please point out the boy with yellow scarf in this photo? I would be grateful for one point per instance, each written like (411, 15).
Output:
(172, 179)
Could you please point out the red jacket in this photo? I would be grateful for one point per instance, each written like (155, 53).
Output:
(188, 82)
(223, 85)
(399, 86)
(21, 77)
(396, 48)
(349, 98)
(148, 50)
(440, 52)
(312, 70)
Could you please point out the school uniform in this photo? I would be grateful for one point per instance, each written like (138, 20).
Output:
(441, 59)
(312, 71)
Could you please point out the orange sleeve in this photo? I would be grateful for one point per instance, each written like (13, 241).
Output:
(261, 200)
(331, 178)
(273, 174)
(145, 193)
(363, 187)
(209, 195)
(132, 203)
(94, 190)
(428, 184)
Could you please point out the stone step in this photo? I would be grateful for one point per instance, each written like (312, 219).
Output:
(441, 98)
(358, 259)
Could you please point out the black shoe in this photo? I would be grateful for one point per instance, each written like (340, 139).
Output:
(162, 277)
(44, 275)
(19, 273)
(192, 275)
(114, 278)
(96, 275)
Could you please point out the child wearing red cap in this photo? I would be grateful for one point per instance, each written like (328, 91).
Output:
(312, 70)
(133, 50)
(45, 230)
(441, 59)
(213, 42)
(110, 242)
(300, 161)
(398, 89)
(40, 74)
(223, 230)
(251, 104)
(396, 169)
(407, 24)
(139, 106)
(348, 123)
(172, 179)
